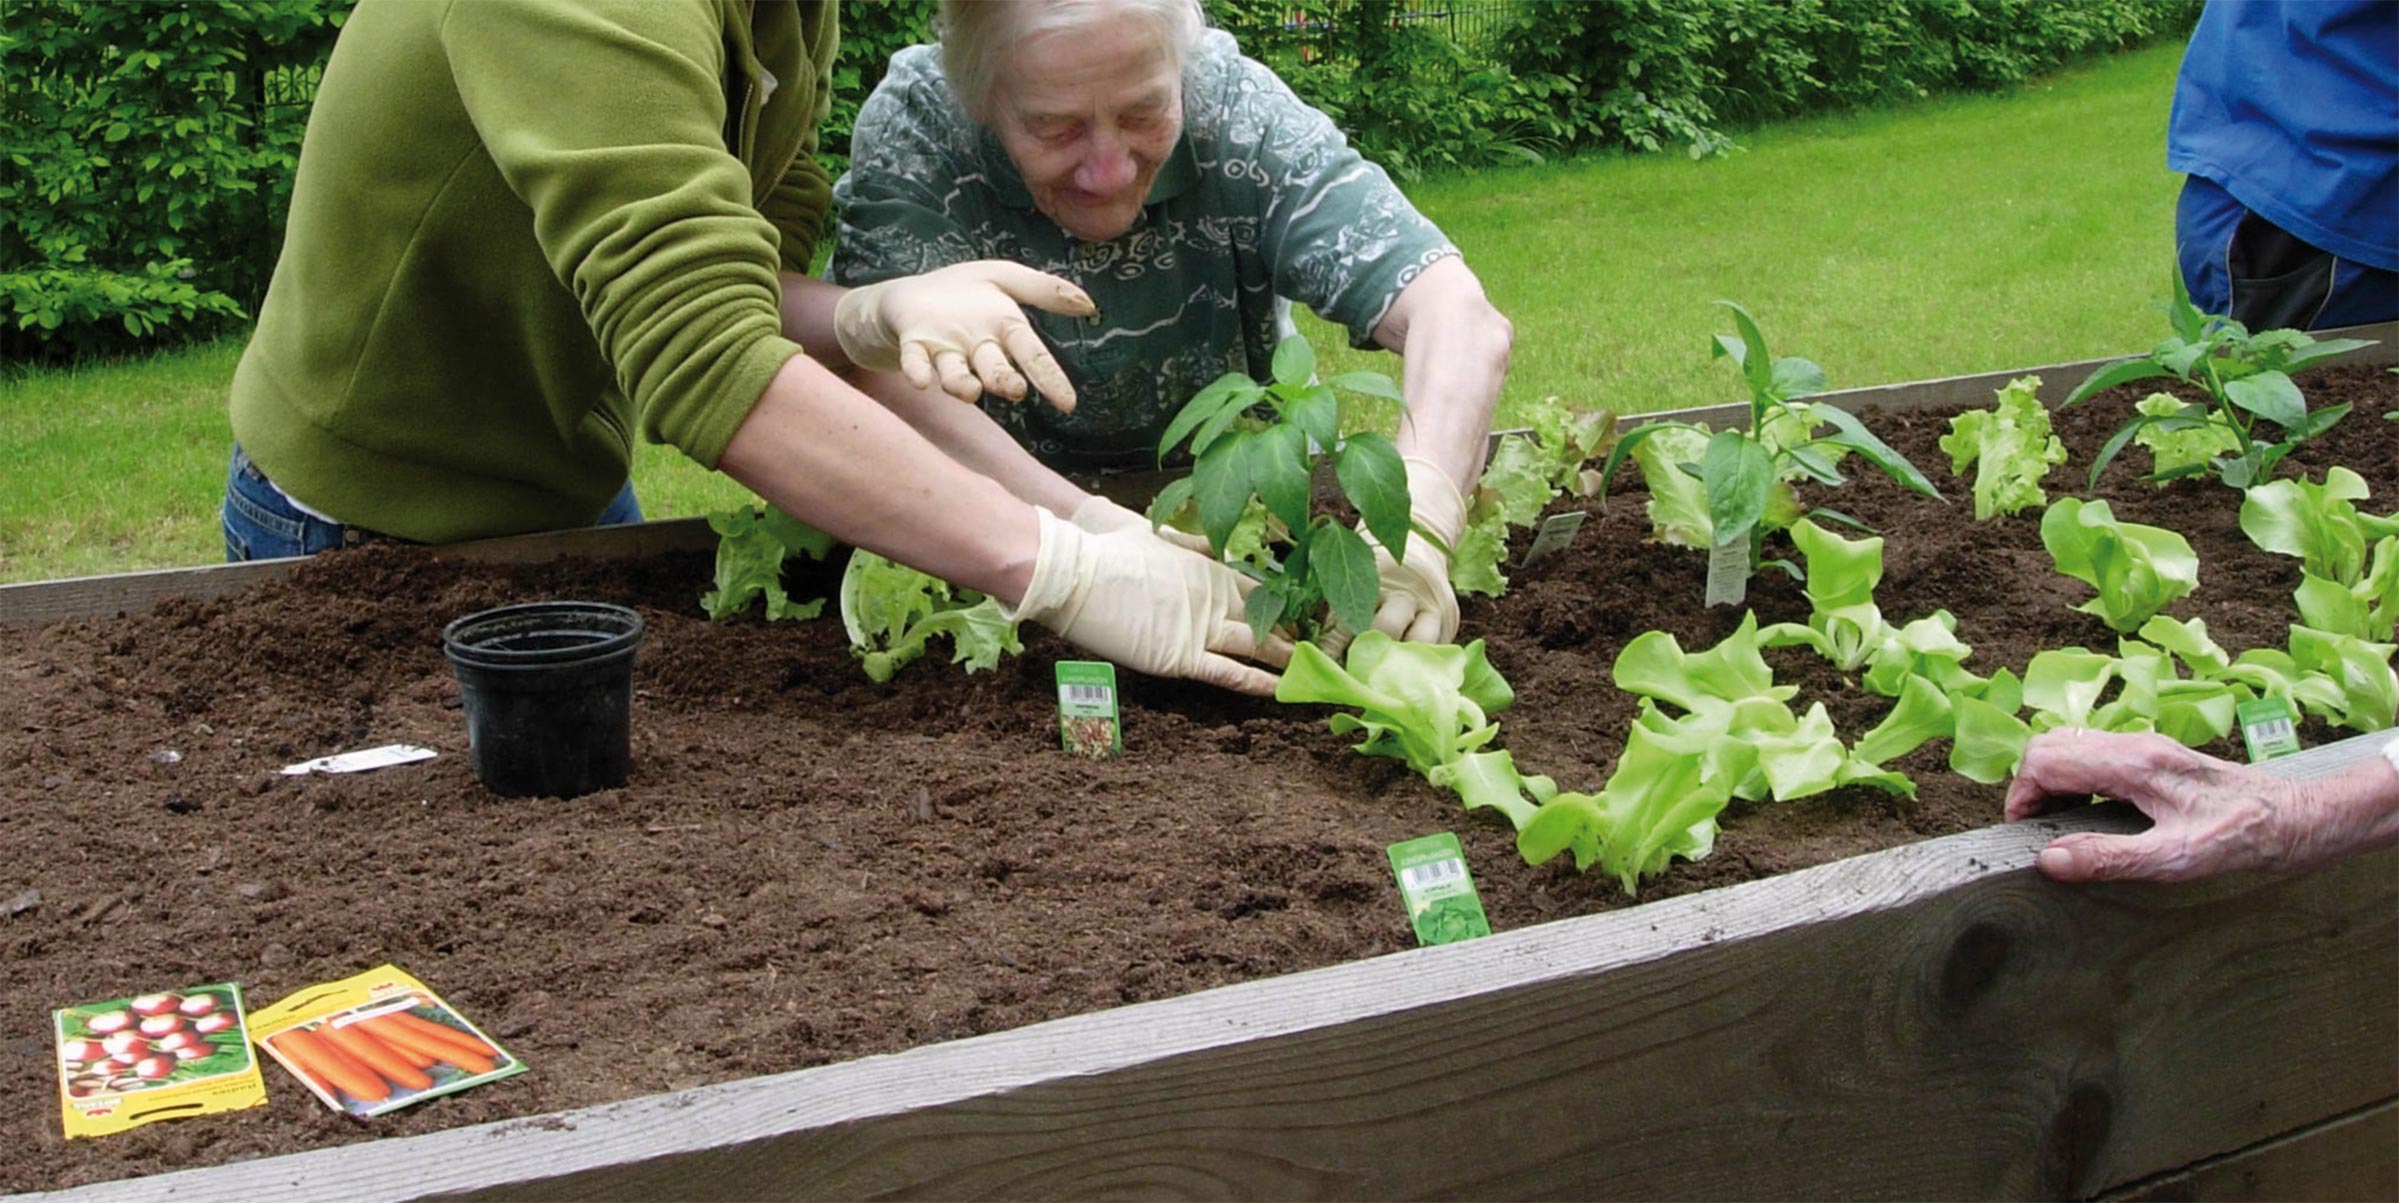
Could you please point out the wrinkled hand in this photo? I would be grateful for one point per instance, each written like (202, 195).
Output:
(1417, 601)
(1100, 516)
(2211, 816)
(963, 324)
(1148, 605)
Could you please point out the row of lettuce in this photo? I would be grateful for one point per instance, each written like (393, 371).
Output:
(1713, 725)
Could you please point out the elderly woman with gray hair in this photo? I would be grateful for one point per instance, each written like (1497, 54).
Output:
(1122, 145)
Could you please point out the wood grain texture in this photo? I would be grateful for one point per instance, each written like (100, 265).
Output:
(2353, 1157)
(1930, 1021)
(119, 594)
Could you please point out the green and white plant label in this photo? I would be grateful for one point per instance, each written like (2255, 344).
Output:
(2268, 727)
(1439, 892)
(1088, 722)
(1555, 534)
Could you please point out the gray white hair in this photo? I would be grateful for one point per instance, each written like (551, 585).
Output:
(976, 35)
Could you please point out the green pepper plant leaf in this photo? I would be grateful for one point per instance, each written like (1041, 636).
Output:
(2247, 381)
(1744, 472)
(1239, 461)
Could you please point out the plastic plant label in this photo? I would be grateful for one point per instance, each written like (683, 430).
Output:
(130, 1061)
(1088, 722)
(2268, 727)
(378, 1041)
(1439, 892)
(362, 760)
(1728, 572)
(1555, 534)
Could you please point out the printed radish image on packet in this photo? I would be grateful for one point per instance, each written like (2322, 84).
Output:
(377, 1042)
(127, 1062)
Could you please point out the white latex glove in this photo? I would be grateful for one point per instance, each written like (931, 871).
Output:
(1148, 605)
(1100, 516)
(963, 324)
(1417, 601)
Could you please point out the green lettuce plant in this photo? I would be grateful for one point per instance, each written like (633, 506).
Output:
(2137, 570)
(1527, 471)
(2178, 448)
(752, 544)
(892, 611)
(2009, 447)
(2349, 560)
(1743, 472)
(1323, 563)
(2247, 380)
(1655, 807)
(1847, 628)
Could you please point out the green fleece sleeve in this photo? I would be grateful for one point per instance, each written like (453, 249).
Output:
(800, 200)
(607, 119)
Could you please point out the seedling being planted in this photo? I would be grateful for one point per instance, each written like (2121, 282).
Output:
(1744, 472)
(1322, 562)
(2247, 379)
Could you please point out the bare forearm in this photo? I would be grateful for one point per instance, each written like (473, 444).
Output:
(968, 435)
(2352, 812)
(1456, 347)
(808, 317)
(832, 457)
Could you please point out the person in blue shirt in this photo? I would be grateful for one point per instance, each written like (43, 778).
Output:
(2286, 119)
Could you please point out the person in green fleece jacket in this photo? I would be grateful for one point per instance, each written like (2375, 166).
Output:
(519, 227)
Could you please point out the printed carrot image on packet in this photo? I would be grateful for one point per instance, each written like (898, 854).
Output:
(378, 1041)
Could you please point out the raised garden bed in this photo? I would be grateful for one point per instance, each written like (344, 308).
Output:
(808, 868)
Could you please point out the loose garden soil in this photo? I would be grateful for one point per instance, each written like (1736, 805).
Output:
(807, 867)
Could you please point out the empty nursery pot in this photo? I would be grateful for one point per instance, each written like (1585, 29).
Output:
(548, 693)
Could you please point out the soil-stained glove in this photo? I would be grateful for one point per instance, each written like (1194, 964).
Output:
(1148, 605)
(1100, 516)
(963, 324)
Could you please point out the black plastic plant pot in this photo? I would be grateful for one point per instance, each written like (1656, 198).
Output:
(548, 693)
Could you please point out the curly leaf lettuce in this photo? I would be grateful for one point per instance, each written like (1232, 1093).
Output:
(892, 611)
(751, 547)
(2010, 447)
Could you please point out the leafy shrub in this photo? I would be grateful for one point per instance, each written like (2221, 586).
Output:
(143, 171)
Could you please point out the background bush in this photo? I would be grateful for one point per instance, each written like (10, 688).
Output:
(146, 150)
(146, 156)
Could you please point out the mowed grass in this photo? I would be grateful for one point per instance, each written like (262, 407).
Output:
(1961, 235)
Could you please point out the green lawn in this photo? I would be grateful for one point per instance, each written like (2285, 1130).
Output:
(1962, 235)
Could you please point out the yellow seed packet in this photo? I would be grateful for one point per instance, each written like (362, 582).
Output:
(378, 1041)
(171, 1055)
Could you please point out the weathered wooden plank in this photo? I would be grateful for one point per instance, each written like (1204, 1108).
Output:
(1935, 1020)
(2353, 1157)
(124, 593)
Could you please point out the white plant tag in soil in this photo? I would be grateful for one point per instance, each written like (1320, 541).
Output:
(1556, 534)
(362, 760)
(1728, 572)
(1438, 891)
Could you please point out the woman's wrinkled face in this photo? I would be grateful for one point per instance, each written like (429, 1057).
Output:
(1087, 117)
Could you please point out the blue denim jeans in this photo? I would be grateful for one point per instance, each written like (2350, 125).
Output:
(262, 524)
(2237, 263)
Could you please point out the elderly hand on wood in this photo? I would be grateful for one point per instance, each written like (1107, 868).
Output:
(2211, 816)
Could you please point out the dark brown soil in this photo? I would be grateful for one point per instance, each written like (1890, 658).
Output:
(807, 867)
